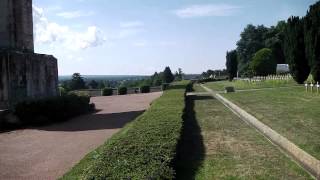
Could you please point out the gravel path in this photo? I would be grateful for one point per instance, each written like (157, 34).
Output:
(48, 152)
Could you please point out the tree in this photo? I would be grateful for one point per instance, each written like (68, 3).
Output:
(312, 39)
(274, 41)
(167, 76)
(179, 75)
(93, 84)
(232, 64)
(77, 82)
(294, 50)
(252, 39)
(263, 63)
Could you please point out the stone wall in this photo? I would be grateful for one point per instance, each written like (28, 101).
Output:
(26, 75)
(16, 30)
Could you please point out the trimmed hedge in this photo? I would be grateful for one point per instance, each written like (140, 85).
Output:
(122, 90)
(144, 89)
(53, 109)
(143, 149)
(107, 92)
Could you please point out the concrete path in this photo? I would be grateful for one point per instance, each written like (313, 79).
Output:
(48, 152)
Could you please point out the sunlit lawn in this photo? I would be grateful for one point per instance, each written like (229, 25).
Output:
(216, 144)
(241, 85)
(292, 112)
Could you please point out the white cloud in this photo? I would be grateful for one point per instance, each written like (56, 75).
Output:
(140, 44)
(59, 35)
(131, 24)
(75, 14)
(207, 10)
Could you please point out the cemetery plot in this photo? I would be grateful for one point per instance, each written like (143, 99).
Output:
(216, 144)
(292, 112)
(246, 84)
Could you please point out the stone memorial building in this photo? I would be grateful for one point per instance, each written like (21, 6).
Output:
(23, 73)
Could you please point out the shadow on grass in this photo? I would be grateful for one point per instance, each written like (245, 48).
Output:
(190, 150)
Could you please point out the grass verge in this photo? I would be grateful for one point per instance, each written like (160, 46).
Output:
(291, 112)
(216, 144)
(241, 85)
(144, 149)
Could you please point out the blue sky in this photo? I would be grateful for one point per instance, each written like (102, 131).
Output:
(139, 37)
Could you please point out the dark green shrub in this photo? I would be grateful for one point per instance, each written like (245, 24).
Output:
(53, 109)
(145, 148)
(229, 89)
(144, 89)
(122, 90)
(189, 87)
(165, 86)
(263, 63)
(107, 92)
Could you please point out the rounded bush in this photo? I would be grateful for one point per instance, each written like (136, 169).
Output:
(165, 86)
(263, 63)
(122, 91)
(144, 89)
(107, 92)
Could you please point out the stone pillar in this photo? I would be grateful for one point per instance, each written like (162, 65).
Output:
(16, 25)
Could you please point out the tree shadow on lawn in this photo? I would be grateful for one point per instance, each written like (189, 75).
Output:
(94, 121)
(190, 150)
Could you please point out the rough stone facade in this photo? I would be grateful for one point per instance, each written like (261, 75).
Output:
(26, 75)
(16, 25)
(23, 74)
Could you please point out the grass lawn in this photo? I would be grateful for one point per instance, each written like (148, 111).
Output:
(216, 144)
(291, 112)
(240, 85)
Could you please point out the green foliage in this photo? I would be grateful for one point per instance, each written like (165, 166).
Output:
(144, 89)
(144, 149)
(107, 92)
(165, 86)
(312, 39)
(122, 90)
(294, 49)
(252, 39)
(77, 82)
(274, 41)
(167, 76)
(263, 63)
(232, 64)
(93, 84)
(53, 109)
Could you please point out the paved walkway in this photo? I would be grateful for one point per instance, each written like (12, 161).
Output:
(48, 152)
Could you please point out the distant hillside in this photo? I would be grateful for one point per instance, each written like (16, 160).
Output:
(106, 77)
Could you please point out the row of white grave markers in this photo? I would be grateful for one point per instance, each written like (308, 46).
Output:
(311, 85)
(263, 78)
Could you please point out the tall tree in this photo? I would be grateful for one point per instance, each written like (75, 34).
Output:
(274, 41)
(232, 64)
(294, 50)
(263, 63)
(252, 39)
(77, 82)
(312, 39)
(167, 75)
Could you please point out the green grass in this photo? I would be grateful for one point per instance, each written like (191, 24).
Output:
(216, 144)
(241, 85)
(292, 112)
(144, 149)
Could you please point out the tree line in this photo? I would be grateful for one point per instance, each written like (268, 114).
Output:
(157, 79)
(295, 42)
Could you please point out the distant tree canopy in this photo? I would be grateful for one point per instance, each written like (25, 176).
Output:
(93, 84)
(77, 82)
(232, 64)
(312, 39)
(252, 39)
(295, 42)
(263, 63)
(167, 75)
(295, 50)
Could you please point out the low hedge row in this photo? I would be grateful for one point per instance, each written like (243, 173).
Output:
(53, 109)
(144, 89)
(122, 91)
(143, 149)
(107, 92)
